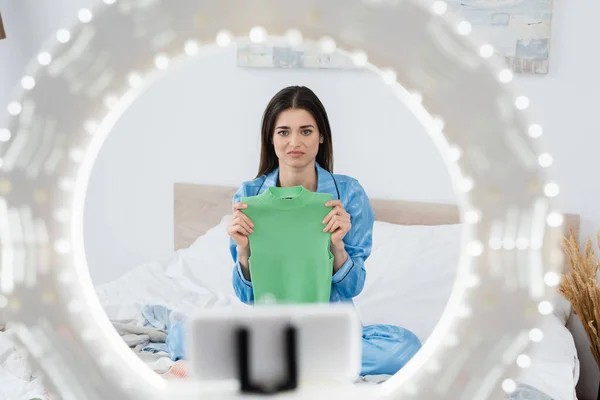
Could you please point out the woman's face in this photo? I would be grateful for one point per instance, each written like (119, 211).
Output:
(296, 138)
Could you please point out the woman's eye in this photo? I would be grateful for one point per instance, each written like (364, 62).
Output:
(283, 133)
(306, 132)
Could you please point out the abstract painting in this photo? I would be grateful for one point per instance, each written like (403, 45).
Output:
(281, 55)
(519, 30)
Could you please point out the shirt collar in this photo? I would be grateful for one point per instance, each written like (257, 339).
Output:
(325, 181)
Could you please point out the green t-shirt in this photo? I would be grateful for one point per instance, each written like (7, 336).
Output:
(290, 260)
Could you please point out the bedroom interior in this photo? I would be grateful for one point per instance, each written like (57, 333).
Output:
(158, 202)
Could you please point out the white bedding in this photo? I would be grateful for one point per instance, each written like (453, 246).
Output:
(150, 284)
(16, 378)
(409, 279)
(554, 366)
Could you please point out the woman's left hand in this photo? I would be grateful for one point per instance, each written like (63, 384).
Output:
(338, 223)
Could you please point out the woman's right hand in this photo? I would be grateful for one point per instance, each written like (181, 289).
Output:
(240, 227)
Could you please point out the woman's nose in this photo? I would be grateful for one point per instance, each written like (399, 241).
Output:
(294, 139)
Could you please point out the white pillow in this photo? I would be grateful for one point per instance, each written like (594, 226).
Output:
(562, 307)
(410, 275)
(207, 262)
(554, 365)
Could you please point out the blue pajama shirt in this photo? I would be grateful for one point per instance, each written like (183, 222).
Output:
(386, 348)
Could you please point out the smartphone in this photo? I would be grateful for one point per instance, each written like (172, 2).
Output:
(272, 344)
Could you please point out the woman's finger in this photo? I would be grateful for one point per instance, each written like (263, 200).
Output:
(237, 214)
(241, 215)
(247, 220)
(239, 218)
(341, 226)
(243, 223)
(240, 206)
(329, 215)
(333, 220)
(337, 236)
(341, 218)
(240, 229)
(334, 227)
(335, 211)
(334, 203)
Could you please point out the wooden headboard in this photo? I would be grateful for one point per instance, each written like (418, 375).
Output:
(199, 207)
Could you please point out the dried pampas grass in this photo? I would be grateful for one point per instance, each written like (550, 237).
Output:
(580, 287)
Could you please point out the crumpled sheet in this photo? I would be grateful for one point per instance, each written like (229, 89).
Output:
(149, 334)
(17, 380)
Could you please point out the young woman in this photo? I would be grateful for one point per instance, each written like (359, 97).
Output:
(297, 150)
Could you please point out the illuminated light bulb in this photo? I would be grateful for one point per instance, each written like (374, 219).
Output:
(464, 28)
(522, 102)
(62, 246)
(135, 80)
(536, 335)
(509, 386)
(535, 131)
(84, 15)
(551, 279)
(439, 7)
(44, 58)
(545, 307)
(545, 160)
(28, 82)
(360, 58)
(14, 108)
(551, 189)
(294, 37)
(555, 219)
(505, 76)
(5, 135)
(472, 216)
(327, 45)
(63, 36)
(258, 34)
(486, 51)
(466, 185)
(191, 47)
(223, 39)
(161, 61)
(475, 248)
(389, 76)
(523, 361)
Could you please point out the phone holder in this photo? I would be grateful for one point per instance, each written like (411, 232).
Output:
(290, 382)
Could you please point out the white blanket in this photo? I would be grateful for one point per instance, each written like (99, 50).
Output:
(149, 284)
(16, 378)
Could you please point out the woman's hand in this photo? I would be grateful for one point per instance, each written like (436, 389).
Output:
(240, 227)
(338, 223)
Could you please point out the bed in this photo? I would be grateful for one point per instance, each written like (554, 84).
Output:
(406, 235)
(411, 234)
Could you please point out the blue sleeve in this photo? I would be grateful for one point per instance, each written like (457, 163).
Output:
(350, 279)
(242, 287)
